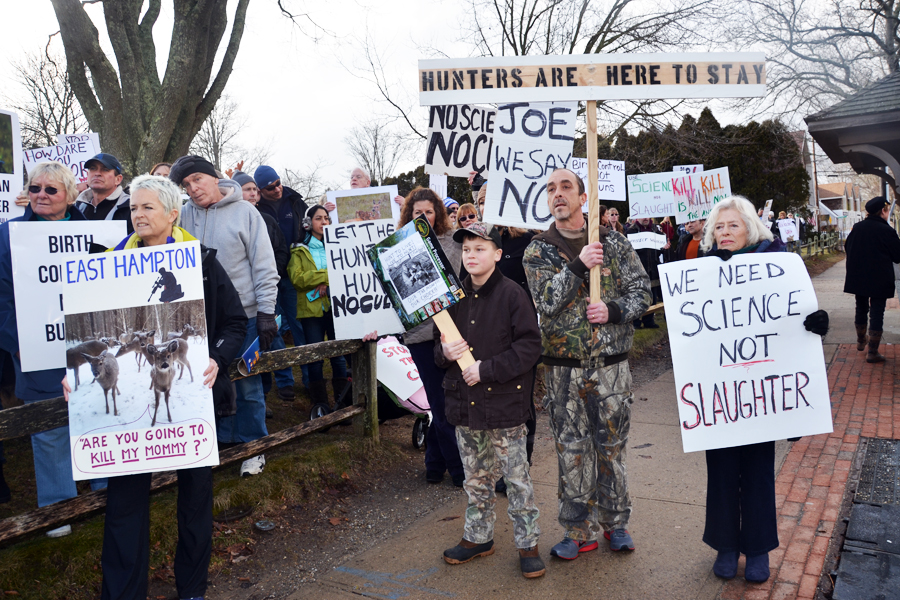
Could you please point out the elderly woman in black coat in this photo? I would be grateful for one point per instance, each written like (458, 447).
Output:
(872, 249)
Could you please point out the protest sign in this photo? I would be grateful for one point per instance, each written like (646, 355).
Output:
(358, 302)
(415, 273)
(697, 193)
(647, 239)
(396, 369)
(438, 183)
(788, 230)
(687, 169)
(364, 204)
(134, 420)
(64, 139)
(459, 140)
(650, 195)
(498, 79)
(530, 141)
(767, 211)
(39, 251)
(11, 176)
(610, 178)
(73, 155)
(746, 369)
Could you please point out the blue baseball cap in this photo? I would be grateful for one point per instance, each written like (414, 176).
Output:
(107, 160)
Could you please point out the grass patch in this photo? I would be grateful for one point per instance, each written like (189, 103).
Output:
(816, 265)
(645, 338)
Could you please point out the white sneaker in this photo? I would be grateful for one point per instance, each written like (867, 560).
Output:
(60, 531)
(253, 466)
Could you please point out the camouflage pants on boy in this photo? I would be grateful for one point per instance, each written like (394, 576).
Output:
(590, 416)
(485, 453)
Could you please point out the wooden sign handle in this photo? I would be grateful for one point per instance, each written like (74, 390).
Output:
(451, 333)
(593, 196)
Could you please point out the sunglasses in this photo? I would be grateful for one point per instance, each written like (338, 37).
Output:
(466, 217)
(272, 187)
(36, 189)
(453, 211)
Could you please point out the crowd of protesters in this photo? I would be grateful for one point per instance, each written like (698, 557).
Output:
(526, 303)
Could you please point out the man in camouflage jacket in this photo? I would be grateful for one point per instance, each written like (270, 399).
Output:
(585, 350)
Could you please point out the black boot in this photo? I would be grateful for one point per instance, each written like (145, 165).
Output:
(872, 355)
(861, 337)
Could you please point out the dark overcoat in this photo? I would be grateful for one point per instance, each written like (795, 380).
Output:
(872, 247)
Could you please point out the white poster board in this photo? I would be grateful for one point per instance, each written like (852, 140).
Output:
(396, 369)
(610, 179)
(438, 183)
(358, 302)
(647, 239)
(530, 141)
(39, 253)
(687, 169)
(697, 193)
(767, 213)
(650, 195)
(70, 138)
(459, 139)
(364, 204)
(788, 230)
(746, 370)
(73, 155)
(150, 433)
(11, 176)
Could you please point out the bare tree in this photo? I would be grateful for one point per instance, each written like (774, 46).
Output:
(45, 101)
(376, 148)
(309, 182)
(821, 52)
(219, 139)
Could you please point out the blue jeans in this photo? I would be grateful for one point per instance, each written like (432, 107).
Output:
(250, 421)
(316, 328)
(287, 302)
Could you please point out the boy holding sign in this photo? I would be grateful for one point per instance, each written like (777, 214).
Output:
(490, 401)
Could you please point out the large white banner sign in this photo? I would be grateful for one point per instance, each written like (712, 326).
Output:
(39, 254)
(697, 193)
(610, 178)
(131, 419)
(650, 195)
(459, 139)
(746, 370)
(358, 302)
(11, 176)
(530, 141)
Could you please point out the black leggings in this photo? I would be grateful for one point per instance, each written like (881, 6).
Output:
(874, 308)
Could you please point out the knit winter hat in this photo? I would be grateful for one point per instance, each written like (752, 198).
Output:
(242, 178)
(448, 202)
(265, 176)
(190, 164)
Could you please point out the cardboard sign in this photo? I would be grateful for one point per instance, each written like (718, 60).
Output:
(64, 139)
(414, 271)
(396, 369)
(610, 178)
(697, 193)
(650, 195)
(746, 370)
(132, 419)
(647, 239)
(11, 176)
(497, 79)
(530, 141)
(459, 140)
(788, 230)
(364, 204)
(73, 155)
(438, 183)
(358, 302)
(39, 252)
(687, 169)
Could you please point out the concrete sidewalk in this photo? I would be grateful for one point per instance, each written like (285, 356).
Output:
(668, 489)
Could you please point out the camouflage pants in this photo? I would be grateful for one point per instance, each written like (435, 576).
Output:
(486, 454)
(590, 416)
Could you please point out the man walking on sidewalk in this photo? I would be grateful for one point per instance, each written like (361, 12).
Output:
(872, 247)
(585, 349)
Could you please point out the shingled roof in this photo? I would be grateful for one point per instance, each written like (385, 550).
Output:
(882, 96)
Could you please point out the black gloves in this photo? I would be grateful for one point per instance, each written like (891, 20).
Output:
(817, 322)
(267, 330)
(723, 254)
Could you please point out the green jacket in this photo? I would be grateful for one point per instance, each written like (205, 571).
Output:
(559, 285)
(305, 277)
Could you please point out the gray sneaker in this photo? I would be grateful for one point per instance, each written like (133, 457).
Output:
(253, 466)
(619, 539)
(569, 549)
(60, 531)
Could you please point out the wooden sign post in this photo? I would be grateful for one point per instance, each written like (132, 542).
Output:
(593, 199)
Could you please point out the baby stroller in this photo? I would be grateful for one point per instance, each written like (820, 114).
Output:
(390, 405)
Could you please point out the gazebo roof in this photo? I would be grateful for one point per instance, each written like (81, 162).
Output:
(881, 97)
